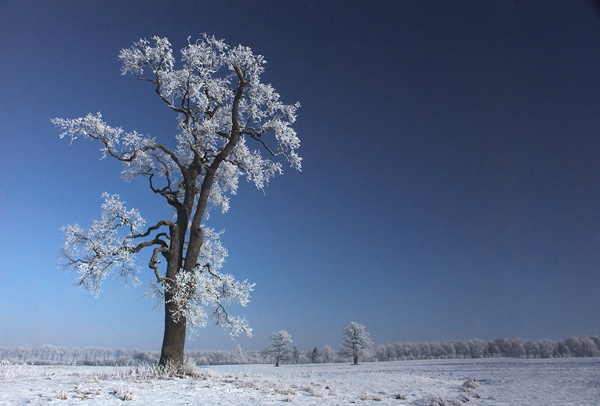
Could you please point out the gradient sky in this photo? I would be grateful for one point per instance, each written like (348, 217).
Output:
(450, 185)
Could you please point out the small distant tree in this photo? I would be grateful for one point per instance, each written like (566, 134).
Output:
(328, 354)
(462, 349)
(75, 352)
(63, 353)
(478, 348)
(122, 356)
(548, 348)
(390, 352)
(315, 355)
(278, 349)
(357, 341)
(238, 356)
(295, 355)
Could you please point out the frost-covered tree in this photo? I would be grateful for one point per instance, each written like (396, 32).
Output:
(357, 341)
(462, 349)
(230, 125)
(278, 349)
(390, 351)
(448, 347)
(329, 354)
(548, 348)
(478, 348)
(315, 355)
(75, 352)
(295, 356)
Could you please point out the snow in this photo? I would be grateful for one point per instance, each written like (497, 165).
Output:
(498, 382)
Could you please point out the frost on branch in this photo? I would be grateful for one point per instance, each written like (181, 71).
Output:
(206, 287)
(107, 245)
(230, 125)
(222, 108)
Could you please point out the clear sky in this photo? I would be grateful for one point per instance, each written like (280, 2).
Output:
(450, 185)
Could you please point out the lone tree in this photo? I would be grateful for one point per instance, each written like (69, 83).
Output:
(222, 108)
(357, 341)
(278, 349)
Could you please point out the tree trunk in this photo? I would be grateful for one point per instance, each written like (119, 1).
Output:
(355, 359)
(173, 339)
(171, 354)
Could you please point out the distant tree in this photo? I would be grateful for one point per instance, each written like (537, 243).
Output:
(548, 348)
(75, 352)
(357, 341)
(295, 356)
(510, 347)
(399, 349)
(88, 353)
(238, 355)
(563, 350)
(380, 354)
(222, 107)
(22, 353)
(582, 347)
(462, 349)
(437, 351)
(424, 350)
(532, 349)
(410, 351)
(278, 349)
(145, 357)
(589, 347)
(106, 354)
(315, 355)
(304, 357)
(390, 352)
(478, 348)
(63, 353)
(328, 354)
(122, 356)
(493, 350)
(448, 347)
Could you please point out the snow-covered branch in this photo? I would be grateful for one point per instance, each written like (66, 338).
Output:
(230, 125)
(107, 245)
(206, 287)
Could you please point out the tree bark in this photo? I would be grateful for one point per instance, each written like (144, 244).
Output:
(171, 354)
(173, 339)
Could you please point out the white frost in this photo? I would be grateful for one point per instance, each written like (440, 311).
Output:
(230, 125)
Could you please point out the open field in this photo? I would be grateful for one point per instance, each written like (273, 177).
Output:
(498, 382)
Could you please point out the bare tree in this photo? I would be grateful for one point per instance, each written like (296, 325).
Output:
(222, 108)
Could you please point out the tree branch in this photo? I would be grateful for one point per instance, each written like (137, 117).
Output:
(256, 136)
(154, 260)
(153, 228)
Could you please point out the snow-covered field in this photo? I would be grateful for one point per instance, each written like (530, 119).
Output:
(498, 382)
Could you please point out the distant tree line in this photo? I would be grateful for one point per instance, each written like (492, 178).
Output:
(511, 347)
(587, 346)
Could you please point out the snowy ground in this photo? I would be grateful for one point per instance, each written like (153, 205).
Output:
(498, 382)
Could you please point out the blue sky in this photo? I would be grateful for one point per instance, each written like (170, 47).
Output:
(450, 185)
